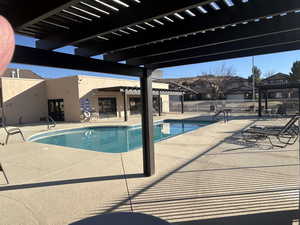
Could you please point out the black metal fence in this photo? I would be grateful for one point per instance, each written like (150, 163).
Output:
(274, 106)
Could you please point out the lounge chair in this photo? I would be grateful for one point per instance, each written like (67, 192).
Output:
(286, 135)
(51, 122)
(12, 131)
(2, 169)
(282, 111)
(294, 128)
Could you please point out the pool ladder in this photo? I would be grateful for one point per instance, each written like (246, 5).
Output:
(225, 113)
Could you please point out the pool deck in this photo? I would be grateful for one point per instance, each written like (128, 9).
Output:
(202, 177)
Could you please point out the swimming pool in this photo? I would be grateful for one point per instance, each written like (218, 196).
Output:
(115, 139)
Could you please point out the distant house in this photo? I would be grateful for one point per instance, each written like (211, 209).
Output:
(278, 78)
(237, 88)
(21, 73)
(239, 93)
(211, 87)
(208, 87)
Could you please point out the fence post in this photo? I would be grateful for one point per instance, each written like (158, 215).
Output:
(259, 102)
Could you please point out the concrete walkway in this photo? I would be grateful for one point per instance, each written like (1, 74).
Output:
(201, 176)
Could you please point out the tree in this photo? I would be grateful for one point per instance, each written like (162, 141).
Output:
(295, 71)
(270, 73)
(216, 85)
(256, 72)
(216, 79)
(223, 70)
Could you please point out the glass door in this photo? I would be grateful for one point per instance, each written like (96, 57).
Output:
(135, 105)
(107, 107)
(56, 109)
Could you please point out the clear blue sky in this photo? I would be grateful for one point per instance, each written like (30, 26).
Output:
(280, 62)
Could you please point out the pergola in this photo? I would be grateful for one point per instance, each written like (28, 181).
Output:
(265, 88)
(127, 90)
(150, 34)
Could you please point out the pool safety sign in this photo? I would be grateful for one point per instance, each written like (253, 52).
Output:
(85, 104)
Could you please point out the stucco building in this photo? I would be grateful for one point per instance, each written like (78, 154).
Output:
(281, 79)
(27, 100)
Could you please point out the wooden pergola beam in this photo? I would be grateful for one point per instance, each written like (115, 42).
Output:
(39, 57)
(135, 14)
(251, 30)
(269, 40)
(230, 55)
(24, 13)
(244, 12)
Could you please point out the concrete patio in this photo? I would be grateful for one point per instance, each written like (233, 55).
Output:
(207, 176)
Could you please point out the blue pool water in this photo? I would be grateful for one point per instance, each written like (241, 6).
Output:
(115, 139)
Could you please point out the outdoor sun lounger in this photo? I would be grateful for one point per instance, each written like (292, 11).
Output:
(294, 127)
(12, 131)
(4, 174)
(287, 135)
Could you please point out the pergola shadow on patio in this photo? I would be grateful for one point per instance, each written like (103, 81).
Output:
(150, 35)
(202, 177)
(228, 183)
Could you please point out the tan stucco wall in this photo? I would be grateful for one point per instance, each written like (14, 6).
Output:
(24, 98)
(66, 88)
(88, 83)
(28, 98)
